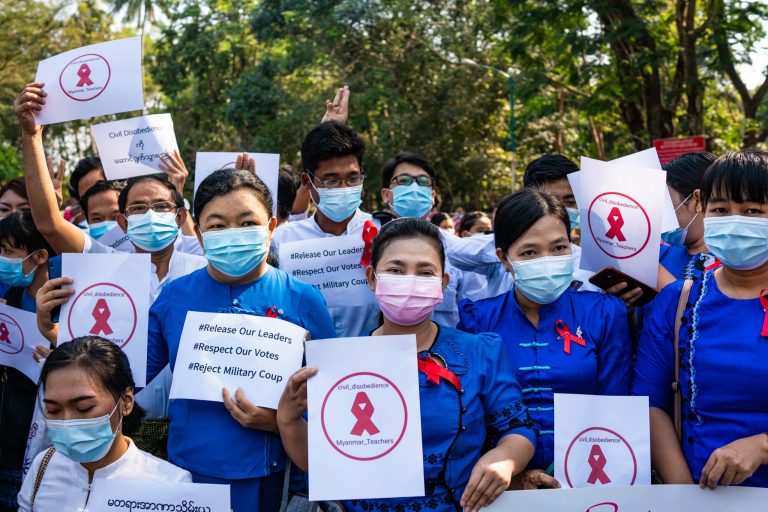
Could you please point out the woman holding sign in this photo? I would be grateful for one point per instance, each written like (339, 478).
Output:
(234, 223)
(559, 340)
(89, 408)
(476, 433)
(716, 327)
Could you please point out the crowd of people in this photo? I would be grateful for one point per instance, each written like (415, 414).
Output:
(486, 295)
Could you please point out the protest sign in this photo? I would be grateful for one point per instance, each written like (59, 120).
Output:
(673, 147)
(267, 168)
(117, 239)
(113, 495)
(332, 265)
(643, 498)
(602, 441)
(94, 80)
(111, 300)
(133, 147)
(18, 337)
(364, 419)
(222, 350)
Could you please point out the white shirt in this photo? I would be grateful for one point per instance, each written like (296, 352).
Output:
(183, 243)
(65, 484)
(351, 320)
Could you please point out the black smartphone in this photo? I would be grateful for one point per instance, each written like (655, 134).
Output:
(609, 277)
(54, 271)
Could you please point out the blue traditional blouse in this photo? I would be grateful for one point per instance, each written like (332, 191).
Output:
(677, 261)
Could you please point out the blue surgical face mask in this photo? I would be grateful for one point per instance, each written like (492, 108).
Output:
(152, 231)
(339, 204)
(99, 229)
(236, 251)
(573, 216)
(85, 440)
(83, 225)
(739, 242)
(543, 280)
(677, 237)
(12, 272)
(411, 200)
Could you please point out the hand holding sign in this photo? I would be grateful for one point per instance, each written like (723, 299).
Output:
(28, 105)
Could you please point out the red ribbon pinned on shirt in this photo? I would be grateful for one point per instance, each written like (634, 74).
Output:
(271, 312)
(435, 372)
(714, 265)
(369, 233)
(565, 332)
(764, 303)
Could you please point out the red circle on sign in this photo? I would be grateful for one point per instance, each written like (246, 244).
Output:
(599, 245)
(568, 452)
(325, 401)
(127, 296)
(109, 77)
(8, 319)
(230, 165)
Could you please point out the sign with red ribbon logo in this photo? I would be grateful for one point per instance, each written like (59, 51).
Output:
(93, 312)
(619, 225)
(85, 77)
(586, 462)
(11, 335)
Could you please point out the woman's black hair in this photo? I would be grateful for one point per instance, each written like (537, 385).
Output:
(98, 188)
(223, 182)
(102, 360)
(439, 218)
(17, 185)
(405, 228)
(518, 212)
(122, 199)
(18, 230)
(685, 172)
(739, 176)
(469, 220)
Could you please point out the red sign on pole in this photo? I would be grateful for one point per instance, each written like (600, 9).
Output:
(669, 149)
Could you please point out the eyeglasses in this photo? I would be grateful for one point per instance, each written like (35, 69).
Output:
(406, 179)
(351, 181)
(140, 209)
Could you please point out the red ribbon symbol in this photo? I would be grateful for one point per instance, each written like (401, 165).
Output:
(565, 332)
(763, 302)
(435, 372)
(272, 312)
(597, 462)
(85, 75)
(101, 314)
(363, 409)
(4, 333)
(369, 233)
(616, 221)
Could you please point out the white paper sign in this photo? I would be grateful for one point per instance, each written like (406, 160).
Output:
(646, 498)
(18, 337)
(133, 147)
(91, 81)
(112, 495)
(223, 350)
(267, 168)
(111, 300)
(332, 265)
(364, 419)
(602, 441)
(117, 239)
(621, 213)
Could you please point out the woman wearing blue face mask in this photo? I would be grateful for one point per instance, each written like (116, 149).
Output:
(89, 410)
(717, 356)
(560, 340)
(24, 257)
(234, 223)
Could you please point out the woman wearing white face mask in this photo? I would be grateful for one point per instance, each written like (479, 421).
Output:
(461, 376)
(559, 340)
(709, 335)
(88, 393)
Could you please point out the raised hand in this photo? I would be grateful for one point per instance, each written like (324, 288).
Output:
(57, 178)
(338, 109)
(173, 166)
(26, 106)
(244, 162)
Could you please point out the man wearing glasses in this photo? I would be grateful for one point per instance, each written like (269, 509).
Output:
(407, 186)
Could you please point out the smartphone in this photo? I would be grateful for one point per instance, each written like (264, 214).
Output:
(54, 271)
(609, 277)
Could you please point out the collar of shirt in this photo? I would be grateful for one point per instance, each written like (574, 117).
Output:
(180, 264)
(354, 225)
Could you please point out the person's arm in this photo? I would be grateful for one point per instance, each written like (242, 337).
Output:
(157, 346)
(290, 419)
(666, 454)
(62, 235)
(301, 203)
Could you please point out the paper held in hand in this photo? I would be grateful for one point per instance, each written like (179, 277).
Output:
(364, 419)
(111, 300)
(133, 147)
(267, 168)
(224, 350)
(18, 337)
(113, 495)
(91, 81)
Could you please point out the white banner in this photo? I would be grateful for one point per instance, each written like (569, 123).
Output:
(111, 300)
(91, 81)
(267, 168)
(645, 498)
(364, 419)
(602, 441)
(133, 147)
(332, 265)
(222, 350)
(113, 495)
(18, 337)
(117, 239)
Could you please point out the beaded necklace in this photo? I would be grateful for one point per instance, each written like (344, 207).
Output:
(693, 337)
